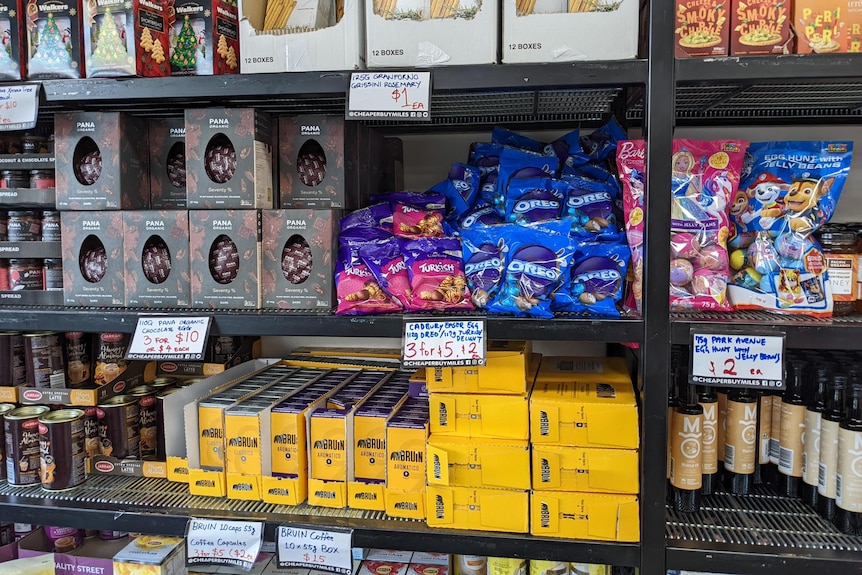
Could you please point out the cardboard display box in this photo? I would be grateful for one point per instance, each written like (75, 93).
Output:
(94, 556)
(509, 369)
(464, 462)
(93, 270)
(207, 38)
(248, 349)
(602, 517)
(54, 41)
(229, 159)
(566, 468)
(480, 416)
(299, 253)
(135, 373)
(569, 30)
(126, 38)
(152, 555)
(13, 66)
(167, 163)
(156, 252)
(333, 48)
(478, 509)
(225, 258)
(101, 161)
(431, 33)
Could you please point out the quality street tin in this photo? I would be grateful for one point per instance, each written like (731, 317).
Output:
(21, 427)
(61, 445)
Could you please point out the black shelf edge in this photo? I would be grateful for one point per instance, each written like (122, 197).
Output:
(264, 86)
(792, 67)
(801, 332)
(274, 323)
(756, 560)
(379, 533)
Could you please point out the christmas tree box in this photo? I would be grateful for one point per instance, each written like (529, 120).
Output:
(93, 273)
(12, 65)
(205, 38)
(101, 161)
(167, 163)
(298, 258)
(301, 35)
(156, 248)
(225, 258)
(123, 38)
(326, 162)
(54, 42)
(229, 159)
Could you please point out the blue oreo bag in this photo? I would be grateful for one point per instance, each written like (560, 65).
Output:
(598, 274)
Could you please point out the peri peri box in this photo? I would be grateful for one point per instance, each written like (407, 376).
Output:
(327, 162)
(101, 161)
(123, 38)
(596, 516)
(156, 254)
(13, 66)
(584, 402)
(54, 42)
(299, 252)
(228, 159)
(416, 33)
(338, 47)
(167, 137)
(93, 270)
(225, 258)
(206, 38)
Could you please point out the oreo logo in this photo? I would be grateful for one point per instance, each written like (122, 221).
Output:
(581, 198)
(484, 269)
(599, 275)
(537, 262)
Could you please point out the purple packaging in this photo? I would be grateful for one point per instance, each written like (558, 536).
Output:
(535, 200)
(484, 263)
(375, 216)
(461, 189)
(589, 206)
(417, 215)
(481, 215)
(436, 275)
(597, 279)
(64, 539)
(112, 535)
(386, 263)
(518, 165)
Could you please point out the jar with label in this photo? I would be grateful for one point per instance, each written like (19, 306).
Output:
(14, 179)
(52, 271)
(41, 179)
(32, 144)
(26, 275)
(4, 275)
(839, 251)
(24, 226)
(50, 226)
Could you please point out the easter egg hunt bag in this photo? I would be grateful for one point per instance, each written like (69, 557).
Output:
(169, 338)
(216, 542)
(737, 360)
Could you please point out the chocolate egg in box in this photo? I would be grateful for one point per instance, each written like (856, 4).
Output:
(93, 270)
(156, 248)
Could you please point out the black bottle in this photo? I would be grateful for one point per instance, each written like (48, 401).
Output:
(849, 479)
(686, 473)
(829, 425)
(790, 443)
(763, 471)
(811, 435)
(740, 443)
(708, 400)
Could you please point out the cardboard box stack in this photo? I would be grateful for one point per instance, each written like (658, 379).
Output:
(584, 435)
(478, 468)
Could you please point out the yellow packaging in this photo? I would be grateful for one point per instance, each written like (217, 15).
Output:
(243, 487)
(243, 449)
(178, 469)
(545, 567)
(590, 569)
(341, 362)
(327, 493)
(463, 462)
(480, 416)
(405, 455)
(405, 504)
(209, 483)
(478, 509)
(564, 468)
(601, 517)
(364, 495)
(506, 566)
(596, 407)
(505, 372)
(151, 555)
(369, 440)
(284, 490)
(361, 352)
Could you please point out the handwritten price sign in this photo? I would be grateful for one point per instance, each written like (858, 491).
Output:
(737, 360)
(328, 550)
(19, 106)
(214, 542)
(443, 343)
(169, 338)
(390, 95)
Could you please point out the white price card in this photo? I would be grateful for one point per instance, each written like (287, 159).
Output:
(448, 342)
(216, 542)
(19, 106)
(737, 360)
(390, 96)
(324, 550)
(164, 337)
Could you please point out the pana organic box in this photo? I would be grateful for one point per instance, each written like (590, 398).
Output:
(702, 28)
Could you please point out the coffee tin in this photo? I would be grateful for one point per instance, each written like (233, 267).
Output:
(63, 461)
(119, 427)
(4, 409)
(146, 396)
(110, 355)
(549, 567)
(13, 371)
(44, 360)
(506, 566)
(163, 382)
(92, 440)
(79, 356)
(21, 427)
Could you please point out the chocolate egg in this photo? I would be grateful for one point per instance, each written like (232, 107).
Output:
(707, 283)
(92, 259)
(738, 259)
(220, 159)
(683, 245)
(713, 258)
(176, 165)
(296, 260)
(89, 168)
(681, 272)
(156, 260)
(224, 260)
(311, 163)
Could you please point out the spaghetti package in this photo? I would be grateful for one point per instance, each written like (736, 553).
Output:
(705, 175)
(436, 271)
(788, 191)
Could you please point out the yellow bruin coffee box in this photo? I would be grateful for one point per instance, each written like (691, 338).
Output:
(505, 372)
(406, 436)
(585, 402)
(565, 468)
(478, 509)
(462, 462)
(480, 416)
(601, 517)
(369, 431)
(361, 352)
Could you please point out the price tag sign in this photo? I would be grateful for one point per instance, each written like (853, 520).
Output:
(737, 360)
(19, 106)
(390, 96)
(215, 542)
(162, 337)
(443, 342)
(328, 550)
